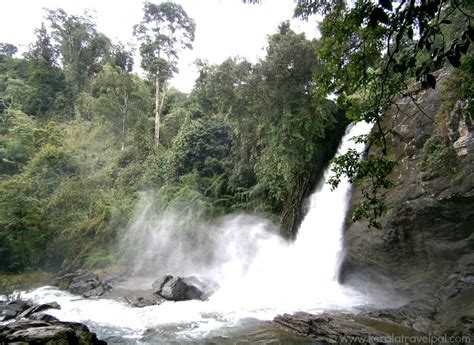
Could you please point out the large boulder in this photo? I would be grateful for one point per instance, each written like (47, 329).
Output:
(47, 332)
(81, 282)
(176, 288)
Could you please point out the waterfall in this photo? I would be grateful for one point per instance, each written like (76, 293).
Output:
(303, 275)
(260, 275)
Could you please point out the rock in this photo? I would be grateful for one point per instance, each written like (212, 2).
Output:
(140, 299)
(19, 309)
(38, 308)
(206, 286)
(461, 129)
(332, 329)
(84, 283)
(43, 317)
(428, 226)
(176, 288)
(425, 249)
(11, 309)
(42, 332)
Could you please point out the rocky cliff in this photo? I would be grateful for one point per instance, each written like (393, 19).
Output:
(425, 250)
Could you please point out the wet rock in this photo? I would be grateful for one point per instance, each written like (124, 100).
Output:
(11, 309)
(140, 299)
(176, 288)
(47, 332)
(84, 283)
(19, 309)
(37, 308)
(331, 329)
(416, 315)
(43, 317)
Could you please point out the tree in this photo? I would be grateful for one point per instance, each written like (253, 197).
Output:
(81, 46)
(164, 31)
(121, 99)
(46, 80)
(8, 50)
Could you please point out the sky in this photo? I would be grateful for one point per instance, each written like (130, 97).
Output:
(224, 28)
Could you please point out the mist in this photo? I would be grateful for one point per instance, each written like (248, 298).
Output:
(178, 241)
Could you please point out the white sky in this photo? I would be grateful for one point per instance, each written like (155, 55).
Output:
(223, 27)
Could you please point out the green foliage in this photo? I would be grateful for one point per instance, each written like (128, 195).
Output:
(10, 283)
(437, 157)
(46, 80)
(81, 46)
(164, 30)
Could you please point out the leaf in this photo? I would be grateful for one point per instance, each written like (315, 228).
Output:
(454, 59)
(469, 32)
(387, 4)
(431, 81)
(462, 47)
(378, 15)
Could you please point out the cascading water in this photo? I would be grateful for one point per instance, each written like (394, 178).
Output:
(270, 278)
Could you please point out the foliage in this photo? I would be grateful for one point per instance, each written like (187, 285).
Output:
(81, 46)
(437, 157)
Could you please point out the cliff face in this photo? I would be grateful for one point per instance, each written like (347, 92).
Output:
(426, 246)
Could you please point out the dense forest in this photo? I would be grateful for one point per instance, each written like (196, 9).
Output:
(83, 136)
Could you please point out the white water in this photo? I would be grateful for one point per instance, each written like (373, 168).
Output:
(273, 277)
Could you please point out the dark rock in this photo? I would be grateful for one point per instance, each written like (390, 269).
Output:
(12, 309)
(417, 315)
(42, 332)
(43, 317)
(331, 329)
(140, 299)
(183, 288)
(80, 282)
(38, 308)
(206, 286)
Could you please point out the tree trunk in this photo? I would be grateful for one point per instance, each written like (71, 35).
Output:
(157, 111)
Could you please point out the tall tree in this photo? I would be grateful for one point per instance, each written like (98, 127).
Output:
(122, 100)
(82, 47)
(164, 31)
(46, 80)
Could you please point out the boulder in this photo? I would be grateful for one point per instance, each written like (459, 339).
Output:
(11, 309)
(47, 332)
(140, 299)
(176, 288)
(19, 309)
(38, 308)
(84, 283)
